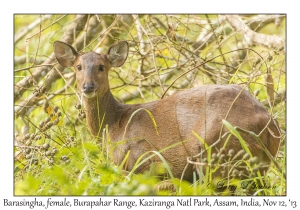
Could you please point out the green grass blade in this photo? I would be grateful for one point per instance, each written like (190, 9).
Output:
(208, 150)
(134, 113)
(139, 161)
(124, 160)
(238, 135)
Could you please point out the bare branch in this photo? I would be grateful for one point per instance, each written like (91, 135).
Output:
(20, 34)
(252, 37)
(141, 50)
(41, 30)
(25, 83)
(52, 76)
(22, 60)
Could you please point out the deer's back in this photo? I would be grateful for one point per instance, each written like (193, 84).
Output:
(200, 110)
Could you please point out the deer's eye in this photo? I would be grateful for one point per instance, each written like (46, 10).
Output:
(101, 68)
(79, 67)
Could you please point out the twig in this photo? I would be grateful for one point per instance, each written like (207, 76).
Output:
(106, 31)
(67, 85)
(23, 84)
(141, 50)
(67, 82)
(31, 67)
(209, 60)
(253, 37)
(153, 57)
(41, 30)
(20, 34)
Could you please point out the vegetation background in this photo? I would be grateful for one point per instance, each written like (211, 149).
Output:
(54, 152)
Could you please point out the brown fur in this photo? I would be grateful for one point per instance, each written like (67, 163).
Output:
(199, 109)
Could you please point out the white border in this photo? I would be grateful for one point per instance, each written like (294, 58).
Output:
(154, 6)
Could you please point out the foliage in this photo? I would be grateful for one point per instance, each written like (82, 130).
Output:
(54, 152)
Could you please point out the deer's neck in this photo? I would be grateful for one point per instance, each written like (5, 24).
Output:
(102, 111)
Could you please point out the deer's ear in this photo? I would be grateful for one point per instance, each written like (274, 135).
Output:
(117, 53)
(65, 54)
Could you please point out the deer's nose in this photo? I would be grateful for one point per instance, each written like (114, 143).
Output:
(88, 88)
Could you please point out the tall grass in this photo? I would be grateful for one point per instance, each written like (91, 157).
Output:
(84, 167)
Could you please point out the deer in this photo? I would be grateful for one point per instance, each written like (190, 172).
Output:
(170, 122)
